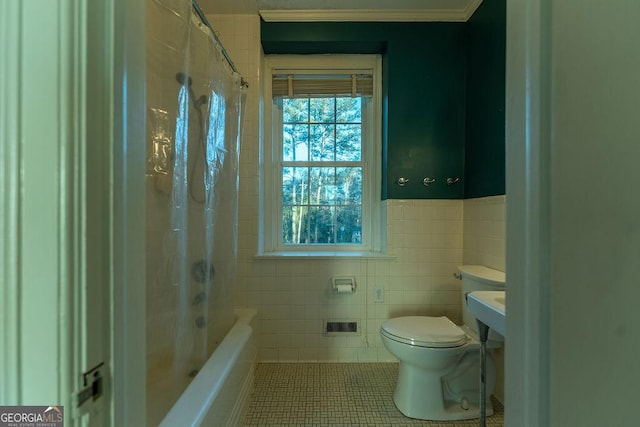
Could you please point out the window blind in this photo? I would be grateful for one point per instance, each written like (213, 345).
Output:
(309, 85)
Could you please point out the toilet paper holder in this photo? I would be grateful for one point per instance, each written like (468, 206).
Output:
(343, 284)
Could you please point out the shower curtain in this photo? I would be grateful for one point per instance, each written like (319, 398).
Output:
(194, 102)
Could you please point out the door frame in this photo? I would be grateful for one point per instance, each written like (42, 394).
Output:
(128, 214)
(72, 135)
(528, 259)
(41, 259)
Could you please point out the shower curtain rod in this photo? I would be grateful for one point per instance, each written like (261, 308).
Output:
(205, 21)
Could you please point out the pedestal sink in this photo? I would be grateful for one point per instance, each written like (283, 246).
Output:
(489, 308)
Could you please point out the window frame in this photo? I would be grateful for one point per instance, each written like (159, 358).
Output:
(271, 163)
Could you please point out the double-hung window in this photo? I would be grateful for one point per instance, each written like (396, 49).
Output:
(321, 168)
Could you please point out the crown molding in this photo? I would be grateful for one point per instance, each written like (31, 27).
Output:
(471, 8)
(371, 15)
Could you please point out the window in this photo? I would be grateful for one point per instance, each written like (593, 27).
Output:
(321, 170)
(321, 167)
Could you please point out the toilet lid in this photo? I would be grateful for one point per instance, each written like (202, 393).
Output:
(424, 331)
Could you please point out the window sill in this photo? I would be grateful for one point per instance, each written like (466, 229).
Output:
(322, 255)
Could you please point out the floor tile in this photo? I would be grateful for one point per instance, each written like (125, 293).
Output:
(335, 394)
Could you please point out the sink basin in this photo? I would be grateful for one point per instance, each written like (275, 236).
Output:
(489, 307)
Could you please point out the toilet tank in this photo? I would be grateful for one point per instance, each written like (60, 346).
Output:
(478, 278)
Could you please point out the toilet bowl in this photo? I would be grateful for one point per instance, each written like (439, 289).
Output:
(439, 369)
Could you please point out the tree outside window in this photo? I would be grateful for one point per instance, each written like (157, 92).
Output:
(322, 170)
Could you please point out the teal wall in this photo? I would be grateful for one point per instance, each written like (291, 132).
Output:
(425, 84)
(485, 126)
(426, 91)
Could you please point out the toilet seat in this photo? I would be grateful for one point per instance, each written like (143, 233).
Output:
(423, 331)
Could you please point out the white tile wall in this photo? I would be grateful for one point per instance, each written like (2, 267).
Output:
(293, 297)
(484, 231)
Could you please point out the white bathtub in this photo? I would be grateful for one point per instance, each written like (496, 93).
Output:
(219, 393)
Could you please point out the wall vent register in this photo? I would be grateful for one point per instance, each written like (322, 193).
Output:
(341, 327)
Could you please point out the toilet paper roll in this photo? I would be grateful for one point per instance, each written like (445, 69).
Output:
(343, 289)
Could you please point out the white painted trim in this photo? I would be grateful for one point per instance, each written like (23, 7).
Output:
(128, 189)
(370, 15)
(471, 8)
(528, 141)
(377, 218)
(41, 232)
(10, 27)
(71, 89)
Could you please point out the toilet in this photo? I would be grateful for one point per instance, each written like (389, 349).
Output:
(439, 371)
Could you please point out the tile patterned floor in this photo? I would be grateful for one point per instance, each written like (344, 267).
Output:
(334, 394)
